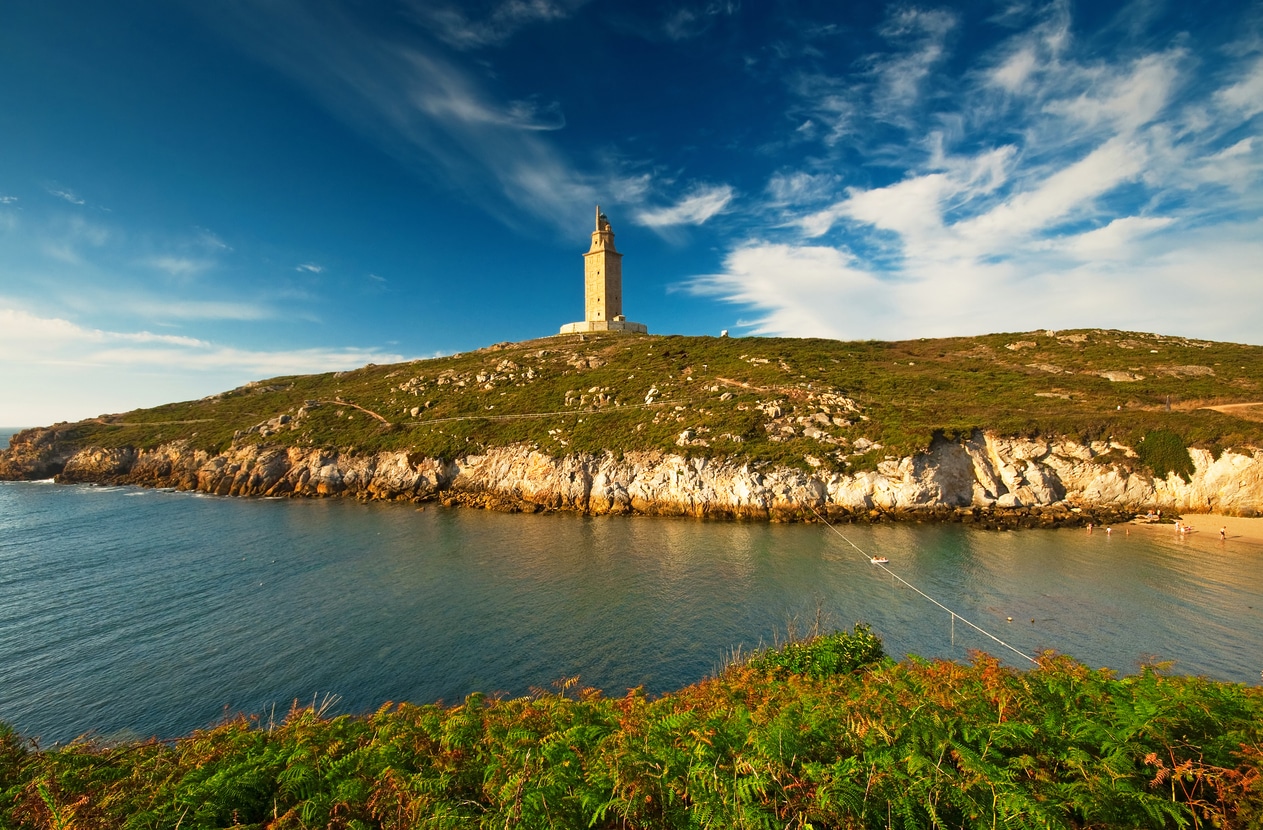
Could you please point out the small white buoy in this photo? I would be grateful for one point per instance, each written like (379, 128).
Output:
(1010, 619)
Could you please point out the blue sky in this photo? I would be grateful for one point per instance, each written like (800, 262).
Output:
(194, 195)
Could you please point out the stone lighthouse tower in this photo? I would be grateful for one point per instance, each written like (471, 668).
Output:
(603, 285)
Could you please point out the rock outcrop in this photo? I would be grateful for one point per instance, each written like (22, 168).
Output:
(1038, 481)
(35, 454)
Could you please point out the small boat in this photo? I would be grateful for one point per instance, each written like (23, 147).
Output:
(878, 560)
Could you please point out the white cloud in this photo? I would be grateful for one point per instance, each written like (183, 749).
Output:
(1127, 101)
(310, 267)
(68, 239)
(834, 105)
(1072, 188)
(798, 188)
(687, 22)
(166, 309)
(900, 76)
(178, 266)
(1012, 75)
(210, 241)
(911, 207)
(8, 200)
(62, 253)
(810, 291)
(694, 209)
(1090, 192)
(69, 195)
(453, 97)
(1246, 95)
(19, 327)
(1238, 167)
(462, 31)
(531, 114)
(1115, 241)
(438, 114)
(82, 371)
(804, 291)
(683, 23)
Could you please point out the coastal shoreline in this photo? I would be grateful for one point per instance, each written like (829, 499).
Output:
(1240, 531)
(984, 479)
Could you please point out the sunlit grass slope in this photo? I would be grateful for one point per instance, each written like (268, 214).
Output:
(846, 405)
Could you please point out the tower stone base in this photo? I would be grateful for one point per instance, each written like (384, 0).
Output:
(604, 325)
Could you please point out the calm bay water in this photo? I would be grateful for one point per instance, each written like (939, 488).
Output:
(126, 611)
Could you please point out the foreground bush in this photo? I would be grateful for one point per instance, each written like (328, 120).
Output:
(821, 656)
(911, 745)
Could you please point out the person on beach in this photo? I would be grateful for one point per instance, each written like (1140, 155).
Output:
(1223, 533)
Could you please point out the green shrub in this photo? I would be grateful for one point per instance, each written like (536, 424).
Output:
(14, 754)
(917, 744)
(1163, 451)
(824, 656)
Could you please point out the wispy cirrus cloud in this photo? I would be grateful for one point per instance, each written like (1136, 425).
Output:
(700, 205)
(456, 100)
(798, 188)
(106, 270)
(920, 40)
(310, 268)
(70, 240)
(440, 114)
(1245, 96)
(167, 310)
(72, 344)
(888, 86)
(86, 371)
(689, 21)
(461, 30)
(66, 194)
(179, 266)
(18, 326)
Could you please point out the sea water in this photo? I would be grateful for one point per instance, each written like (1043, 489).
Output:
(132, 612)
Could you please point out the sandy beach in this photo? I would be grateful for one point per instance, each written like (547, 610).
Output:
(1239, 531)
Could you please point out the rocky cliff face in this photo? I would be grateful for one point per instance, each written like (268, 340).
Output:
(1044, 480)
(35, 454)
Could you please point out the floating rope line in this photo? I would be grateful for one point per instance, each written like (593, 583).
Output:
(895, 576)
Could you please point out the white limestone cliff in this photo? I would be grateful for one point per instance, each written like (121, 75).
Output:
(985, 471)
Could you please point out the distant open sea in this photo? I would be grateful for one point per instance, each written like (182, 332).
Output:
(130, 612)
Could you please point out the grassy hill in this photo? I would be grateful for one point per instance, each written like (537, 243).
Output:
(834, 404)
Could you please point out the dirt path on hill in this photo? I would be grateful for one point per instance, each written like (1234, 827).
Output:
(1248, 411)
